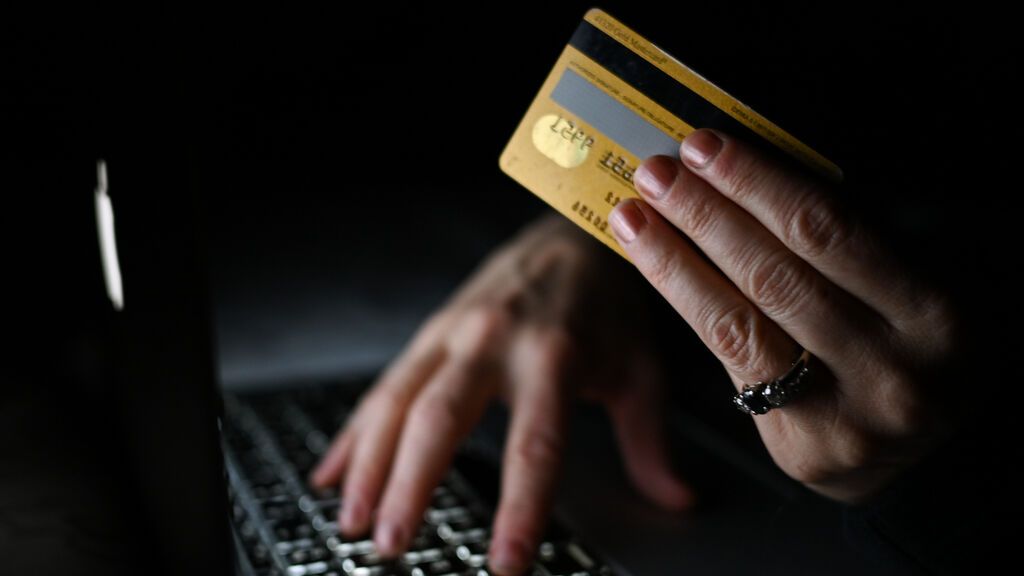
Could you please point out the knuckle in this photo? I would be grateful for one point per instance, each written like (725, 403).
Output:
(808, 469)
(385, 399)
(437, 325)
(512, 304)
(479, 328)
(436, 321)
(903, 405)
(358, 487)
(539, 448)
(818, 228)
(696, 213)
(662, 269)
(438, 413)
(732, 333)
(739, 172)
(819, 460)
(933, 326)
(487, 319)
(855, 453)
(551, 344)
(430, 333)
(543, 357)
(778, 286)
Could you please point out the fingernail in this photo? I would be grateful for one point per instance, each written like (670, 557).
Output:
(654, 177)
(509, 557)
(627, 221)
(388, 538)
(700, 148)
(353, 516)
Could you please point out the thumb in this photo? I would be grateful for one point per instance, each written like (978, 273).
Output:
(639, 420)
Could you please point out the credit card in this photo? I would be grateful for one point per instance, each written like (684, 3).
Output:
(612, 100)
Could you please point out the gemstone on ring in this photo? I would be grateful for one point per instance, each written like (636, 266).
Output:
(752, 399)
(761, 397)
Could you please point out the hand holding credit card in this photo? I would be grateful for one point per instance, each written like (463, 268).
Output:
(612, 100)
(792, 293)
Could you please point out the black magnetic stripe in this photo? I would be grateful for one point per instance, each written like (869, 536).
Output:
(657, 85)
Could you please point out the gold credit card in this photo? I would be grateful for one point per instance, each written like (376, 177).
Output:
(612, 100)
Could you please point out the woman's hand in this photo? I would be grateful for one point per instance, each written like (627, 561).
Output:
(790, 270)
(533, 325)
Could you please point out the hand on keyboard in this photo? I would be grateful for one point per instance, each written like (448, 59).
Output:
(533, 326)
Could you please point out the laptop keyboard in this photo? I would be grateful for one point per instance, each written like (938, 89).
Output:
(284, 528)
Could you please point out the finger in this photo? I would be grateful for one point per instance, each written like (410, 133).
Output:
(534, 448)
(818, 314)
(371, 460)
(332, 465)
(443, 413)
(380, 422)
(806, 218)
(441, 416)
(638, 418)
(749, 345)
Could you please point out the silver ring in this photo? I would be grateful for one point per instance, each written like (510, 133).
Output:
(761, 397)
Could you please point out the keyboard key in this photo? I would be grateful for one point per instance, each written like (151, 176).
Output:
(473, 555)
(349, 549)
(259, 555)
(269, 491)
(285, 548)
(281, 511)
(247, 531)
(368, 559)
(328, 504)
(443, 497)
(566, 559)
(456, 537)
(367, 571)
(426, 537)
(443, 566)
(313, 568)
(325, 525)
(317, 442)
(306, 555)
(370, 564)
(460, 523)
(415, 557)
(546, 552)
(447, 515)
(293, 529)
(329, 493)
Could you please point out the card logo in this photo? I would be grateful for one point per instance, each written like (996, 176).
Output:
(561, 140)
